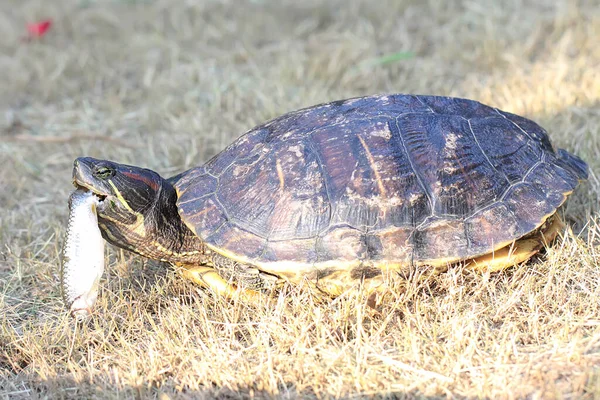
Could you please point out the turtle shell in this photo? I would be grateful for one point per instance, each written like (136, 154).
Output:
(381, 181)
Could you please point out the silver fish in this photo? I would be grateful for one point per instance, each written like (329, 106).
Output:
(82, 256)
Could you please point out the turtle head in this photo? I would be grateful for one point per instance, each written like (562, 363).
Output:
(130, 200)
(137, 210)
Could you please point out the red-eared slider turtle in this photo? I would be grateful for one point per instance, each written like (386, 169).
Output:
(345, 192)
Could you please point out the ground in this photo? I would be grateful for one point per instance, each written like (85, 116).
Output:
(166, 85)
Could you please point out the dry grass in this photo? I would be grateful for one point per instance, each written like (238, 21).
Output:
(167, 84)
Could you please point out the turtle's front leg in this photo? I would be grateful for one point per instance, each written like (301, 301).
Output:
(208, 277)
(244, 275)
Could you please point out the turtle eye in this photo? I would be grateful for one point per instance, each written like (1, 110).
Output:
(104, 172)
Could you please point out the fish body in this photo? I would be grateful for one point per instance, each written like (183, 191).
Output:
(83, 255)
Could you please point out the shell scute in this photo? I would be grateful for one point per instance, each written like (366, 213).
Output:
(529, 129)
(536, 209)
(195, 185)
(203, 215)
(454, 172)
(440, 239)
(551, 180)
(573, 165)
(289, 249)
(237, 241)
(511, 158)
(484, 226)
(246, 146)
(277, 192)
(396, 243)
(343, 243)
(367, 184)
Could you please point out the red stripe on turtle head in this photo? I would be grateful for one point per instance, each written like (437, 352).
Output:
(143, 178)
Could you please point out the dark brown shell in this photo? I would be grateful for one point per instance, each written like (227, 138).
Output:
(382, 180)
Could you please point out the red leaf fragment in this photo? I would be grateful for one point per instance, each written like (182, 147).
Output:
(39, 29)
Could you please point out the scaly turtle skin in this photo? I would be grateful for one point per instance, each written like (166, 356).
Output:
(344, 192)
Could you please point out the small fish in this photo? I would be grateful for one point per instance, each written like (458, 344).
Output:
(82, 256)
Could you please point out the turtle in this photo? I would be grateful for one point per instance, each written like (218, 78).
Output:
(343, 194)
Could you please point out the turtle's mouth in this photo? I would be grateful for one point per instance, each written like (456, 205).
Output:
(82, 186)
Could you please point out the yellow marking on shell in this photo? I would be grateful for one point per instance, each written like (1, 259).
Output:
(280, 175)
(374, 167)
(178, 190)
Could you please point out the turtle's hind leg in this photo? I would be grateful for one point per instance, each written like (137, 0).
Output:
(521, 250)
